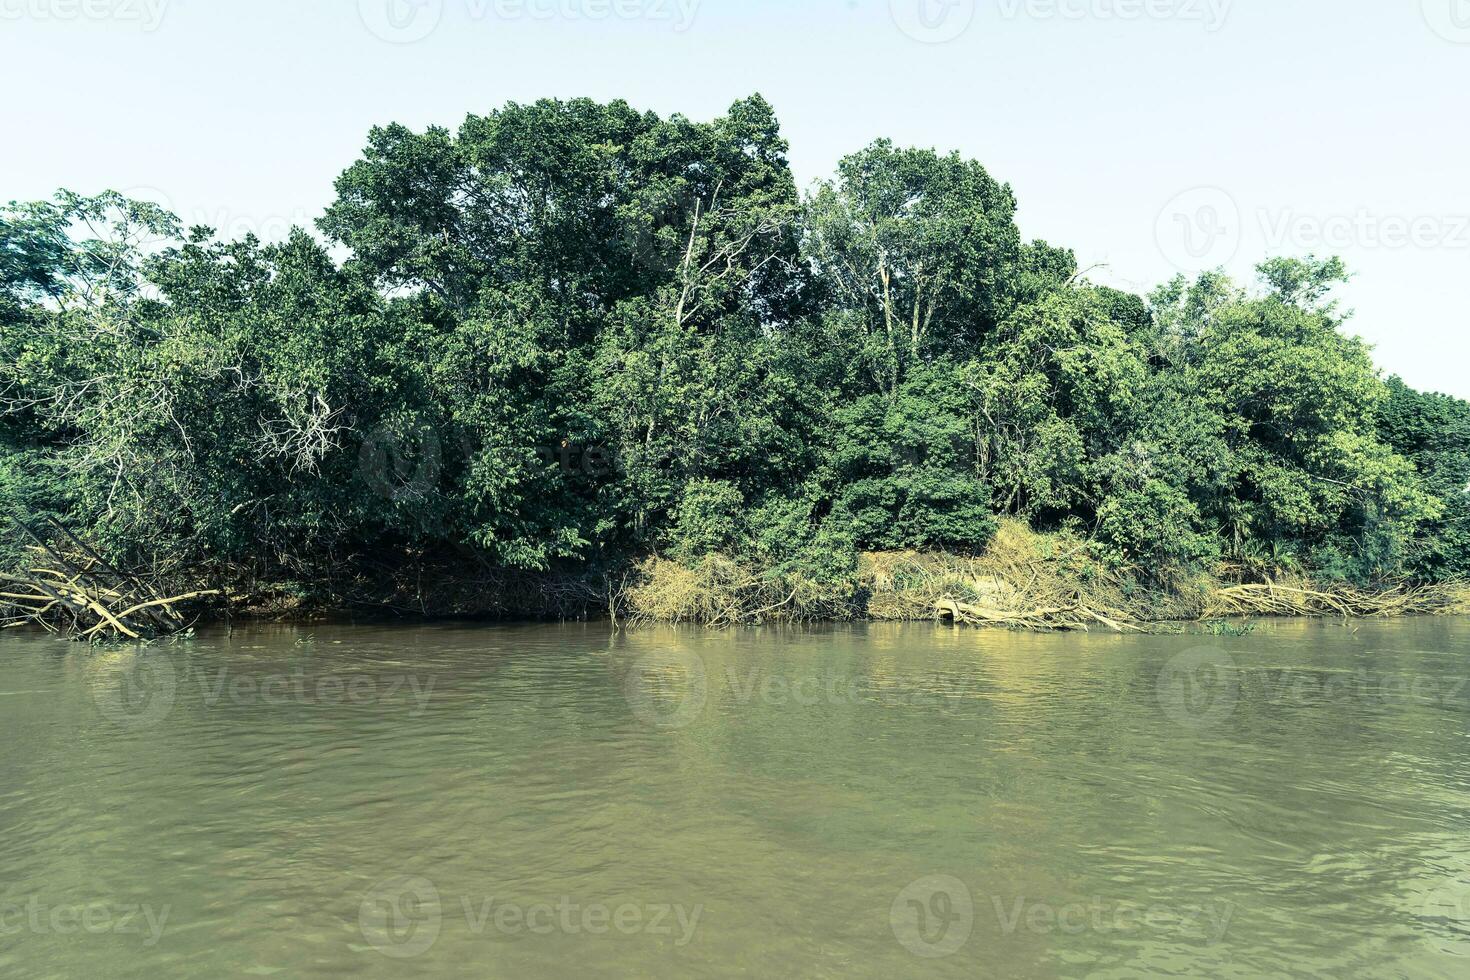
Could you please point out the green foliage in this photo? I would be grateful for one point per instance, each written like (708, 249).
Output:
(709, 520)
(572, 335)
(919, 255)
(1433, 432)
(902, 470)
(1295, 475)
(1056, 389)
(1219, 627)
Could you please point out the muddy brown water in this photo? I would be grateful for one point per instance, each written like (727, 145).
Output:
(881, 801)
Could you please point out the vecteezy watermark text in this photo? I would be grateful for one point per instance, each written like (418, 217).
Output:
(1205, 227)
(935, 916)
(409, 21)
(140, 689)
(1202, 687)
(403, 917)
(1210, 13)
(146, 14)
(670, 689)
(38, 917)
(941, 21)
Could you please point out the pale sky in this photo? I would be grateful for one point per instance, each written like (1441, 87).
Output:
(1148, 135)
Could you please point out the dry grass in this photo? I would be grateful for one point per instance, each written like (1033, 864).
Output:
(716, 591)
(1023, 580)
(1301, 598)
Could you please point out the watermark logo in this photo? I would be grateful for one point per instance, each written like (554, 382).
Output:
(657, 239)
(933, 917)
(1198, 688)
(140, 691)
(403, 468)
(668, 689)
(933, 21)
(1203, 228)
(135, 691)
(1199, 229)
(401, 21)
(146, 14)
(1201, 688)
(401, 917)
(1450, 19)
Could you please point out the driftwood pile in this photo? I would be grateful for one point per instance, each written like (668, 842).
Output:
(1041, 618)
(72, 590)
(1274, 599)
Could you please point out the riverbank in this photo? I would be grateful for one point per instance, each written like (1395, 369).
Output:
(1023, 580)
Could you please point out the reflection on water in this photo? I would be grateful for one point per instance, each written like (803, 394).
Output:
(881, 801)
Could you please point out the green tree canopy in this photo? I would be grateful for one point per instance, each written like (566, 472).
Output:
(572, 335)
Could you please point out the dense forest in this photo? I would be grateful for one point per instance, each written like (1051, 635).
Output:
(572, 340)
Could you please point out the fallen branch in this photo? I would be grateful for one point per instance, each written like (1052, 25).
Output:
(69, 595)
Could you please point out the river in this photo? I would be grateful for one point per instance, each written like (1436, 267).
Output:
(872, 801)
